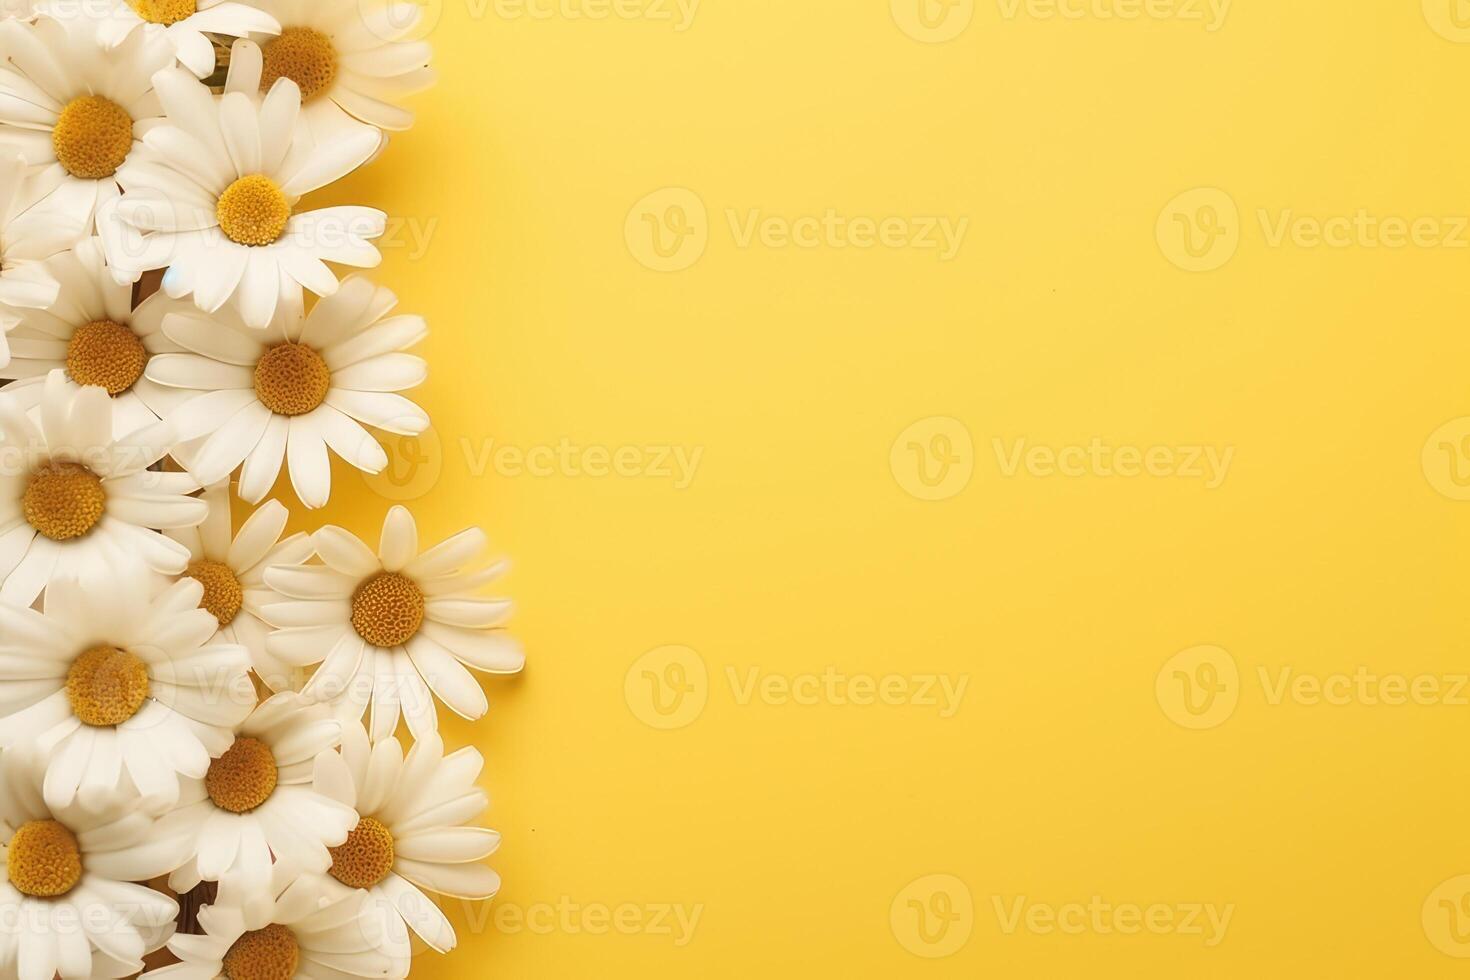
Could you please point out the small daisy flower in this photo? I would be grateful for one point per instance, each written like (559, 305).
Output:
(74, 110)
(232, 572)
(394, 625)
(413, 835)
(29, 233)
(295, 390)
(118, 689)
(92, 333)
(216, 203)
(353, 60)
(262, 797)
(297, 928)
(66, 885)
(74, 502)
(184, 24)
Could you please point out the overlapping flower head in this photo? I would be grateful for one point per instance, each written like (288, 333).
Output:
(189, 692)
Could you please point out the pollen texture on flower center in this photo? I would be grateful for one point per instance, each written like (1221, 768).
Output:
(43, 859)
(253, 210)
(63, 500)
(291, 379)
(106, 686)
(387, 609)
(164, 11)
(243, 778)
(223, 594)
(92, 137)
(366, 857)
(107, 354)
(305, 56)
(271, 953)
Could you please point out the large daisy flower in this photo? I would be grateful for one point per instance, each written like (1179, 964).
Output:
(232, 572)
(413, 836)
(74, 109)
(353, 59)
(261, 799)
(118, 689)
(394, 625)
(70, 908)
(216, 202)
(295, 390)
(185, 24)
(92, 333)
(297, 928)
(74, 502)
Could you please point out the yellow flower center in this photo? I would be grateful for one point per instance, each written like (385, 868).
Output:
(63, 500)
(106, 686)
(387, 609)
(252, 210)
(303, 55)
(223, 594)
(366, 857)
(92, 137)
(164, 11)
(271, 953)
(243, 778)
(106, 354)
(291, 379)
(43, 859)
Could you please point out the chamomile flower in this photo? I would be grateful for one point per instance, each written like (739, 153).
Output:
(92, 333)
(394, 625)
(115, 685)
(184, 24)
(232, 572)
(354, 60)
(74, 110)
(299, 927)
(414, 834)
(216, 201)
(295, 390)
(29, 233)
(261, 798)
(71, 908)
(75, 502)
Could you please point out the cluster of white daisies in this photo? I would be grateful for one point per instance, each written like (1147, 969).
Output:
(181, 699)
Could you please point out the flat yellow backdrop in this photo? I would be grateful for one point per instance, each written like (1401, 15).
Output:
(986, 480)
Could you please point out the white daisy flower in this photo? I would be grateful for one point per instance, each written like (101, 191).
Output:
(295, 390)
(413, 836)
(354, 60)
(391, 627)
(262, 797)
(184, 24)
(75, 502)
(66, 885)
(92, 333)
(29, 233)
(115, 685)
(74, 110)
(215, 202)
(232, 572)
(297, 928)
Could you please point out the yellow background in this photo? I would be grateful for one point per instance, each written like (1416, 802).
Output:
(797, 546)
